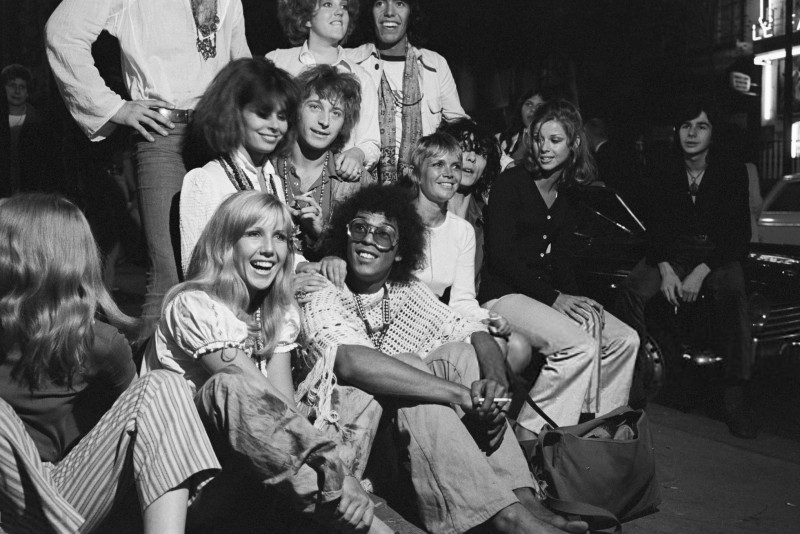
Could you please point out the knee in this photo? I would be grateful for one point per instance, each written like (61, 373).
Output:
(519, 352)
(227, 383)
(629, 338)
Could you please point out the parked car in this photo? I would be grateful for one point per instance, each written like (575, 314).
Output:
(779, 221)
(611, 241)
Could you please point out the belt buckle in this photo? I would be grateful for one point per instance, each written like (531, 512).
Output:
(175, 115)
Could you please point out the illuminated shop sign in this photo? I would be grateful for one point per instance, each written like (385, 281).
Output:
(771, 19)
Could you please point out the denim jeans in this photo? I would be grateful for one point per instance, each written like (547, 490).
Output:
(726, 285)
(456, 485)
(159, 171)
(568, 382)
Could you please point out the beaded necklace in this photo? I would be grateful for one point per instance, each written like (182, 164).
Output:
(206, 30)
(376, 337)
(239, 179)
(258, 343)
(288, 191)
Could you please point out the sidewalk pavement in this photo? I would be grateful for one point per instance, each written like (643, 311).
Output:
(711, 482)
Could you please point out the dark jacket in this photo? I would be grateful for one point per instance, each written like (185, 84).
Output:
(37, 156)
(528, 246)
(721, 213)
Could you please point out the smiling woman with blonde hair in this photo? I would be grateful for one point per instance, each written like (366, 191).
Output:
(228, 330)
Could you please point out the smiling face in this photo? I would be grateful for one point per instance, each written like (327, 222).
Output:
(551, 146)
(391, 19)
(320, 121)
(262, 134)
(695, 135)
(329, 22)
(260, 253)
(529, 107)
(440, 176)
(368, 264)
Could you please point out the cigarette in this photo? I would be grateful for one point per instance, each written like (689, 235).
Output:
(499, 400)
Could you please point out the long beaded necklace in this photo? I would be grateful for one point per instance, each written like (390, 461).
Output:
(258, 343)
(206, 30)
(287, 190)
(378, 336)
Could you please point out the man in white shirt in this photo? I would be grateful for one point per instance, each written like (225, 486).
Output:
(171, 50)
(319, 28)
(416, 90)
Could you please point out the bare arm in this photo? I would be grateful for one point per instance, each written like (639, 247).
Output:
(379, 374)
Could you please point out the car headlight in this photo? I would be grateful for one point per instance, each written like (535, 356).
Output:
(759, 310)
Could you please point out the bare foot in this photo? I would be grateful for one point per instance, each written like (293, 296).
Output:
(516, 519)
(539, 511)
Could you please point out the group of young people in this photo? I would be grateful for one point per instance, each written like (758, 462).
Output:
(333, 328)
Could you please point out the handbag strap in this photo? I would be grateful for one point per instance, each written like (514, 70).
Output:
(538, 409)
(518, 388)
(584, 510)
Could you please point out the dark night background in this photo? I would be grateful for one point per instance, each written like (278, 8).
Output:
(629, 61)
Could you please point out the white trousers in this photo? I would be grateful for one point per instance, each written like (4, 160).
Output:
(581, 373)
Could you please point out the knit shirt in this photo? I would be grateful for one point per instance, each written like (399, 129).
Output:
(419, 324)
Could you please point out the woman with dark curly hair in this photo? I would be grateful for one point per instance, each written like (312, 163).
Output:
(528, 278)
(386, 334)
(318, 28)
(480, 166)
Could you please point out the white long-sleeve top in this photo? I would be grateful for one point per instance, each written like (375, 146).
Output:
(366, 133)
(450, 262)
(159, 54)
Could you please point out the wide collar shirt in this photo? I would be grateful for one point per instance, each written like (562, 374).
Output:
(160, 60)
(439, 91)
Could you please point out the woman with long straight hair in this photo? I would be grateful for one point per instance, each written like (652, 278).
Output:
(76, 431)
(528, 277)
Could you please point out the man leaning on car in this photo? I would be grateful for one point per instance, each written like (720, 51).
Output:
(697, 239)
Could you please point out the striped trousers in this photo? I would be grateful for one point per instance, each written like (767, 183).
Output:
(150, 439)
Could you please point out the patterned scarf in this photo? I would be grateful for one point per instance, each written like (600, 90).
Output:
(389, 168)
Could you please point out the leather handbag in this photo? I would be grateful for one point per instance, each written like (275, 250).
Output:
(602, 470)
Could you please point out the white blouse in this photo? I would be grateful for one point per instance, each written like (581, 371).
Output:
(194, 324)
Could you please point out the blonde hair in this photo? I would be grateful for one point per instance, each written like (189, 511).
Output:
(51, 287)
(212, 269)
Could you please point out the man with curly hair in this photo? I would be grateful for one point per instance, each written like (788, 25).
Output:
(317, 28)
(383, 344)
